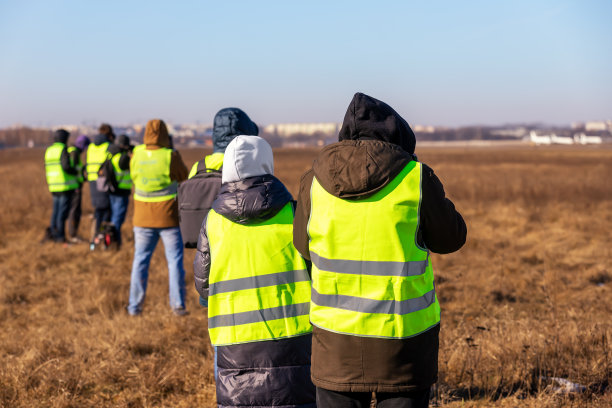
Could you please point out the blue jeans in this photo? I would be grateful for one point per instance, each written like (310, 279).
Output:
(61, 207)
(145, 240)
(119, 206)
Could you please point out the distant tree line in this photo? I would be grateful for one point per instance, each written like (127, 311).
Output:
(25, 136)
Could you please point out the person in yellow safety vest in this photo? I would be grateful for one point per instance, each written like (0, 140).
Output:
(198, 193)
(369, 215)
(62, 181)
(156, 169)
(74, 216)
(97, 153)
(256, 285)
(120, 153)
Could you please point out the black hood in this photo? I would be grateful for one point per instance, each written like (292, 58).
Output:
(60, 136)
(229, 123)
(369, 118)
(99, 139)
(251, 200)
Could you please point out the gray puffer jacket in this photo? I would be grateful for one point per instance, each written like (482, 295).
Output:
(271, 373)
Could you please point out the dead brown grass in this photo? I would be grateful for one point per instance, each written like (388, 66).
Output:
(528, 297)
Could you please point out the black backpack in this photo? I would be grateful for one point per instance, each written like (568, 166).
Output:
(195, 198)
(107, 182)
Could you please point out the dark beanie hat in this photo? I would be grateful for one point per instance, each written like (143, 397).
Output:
(61, 136)
(123, 141)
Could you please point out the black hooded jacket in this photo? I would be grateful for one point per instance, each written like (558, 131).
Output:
(375, 144)
(265, 373)
(229, 123)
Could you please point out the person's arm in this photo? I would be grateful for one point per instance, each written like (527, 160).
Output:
(124, 160)
(66, 163)
(302, 214)
(441, 227)
(201, 264)
(178, 170)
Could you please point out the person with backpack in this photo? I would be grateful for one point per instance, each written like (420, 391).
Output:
(74, 215)
(62, 182)
(119, 196)
(368, 216)
(197, 194)
(156, 169)
(256, 285)
(97, 153)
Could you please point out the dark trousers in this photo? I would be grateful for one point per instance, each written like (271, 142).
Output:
(61, 207)
(119, 205)
(101, 214)
(74, 215)
(101, 204)
(410, 399)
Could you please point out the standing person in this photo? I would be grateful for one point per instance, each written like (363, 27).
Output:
(97, 153)
(198, 193)
(256, 285)
(74, 215)
(368, 216)
(228, 123)
(156, 170)
(62, 181)
(120, 198)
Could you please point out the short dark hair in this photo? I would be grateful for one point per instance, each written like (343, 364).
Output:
(106, 129)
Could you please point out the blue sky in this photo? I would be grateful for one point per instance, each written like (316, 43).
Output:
(436, 62)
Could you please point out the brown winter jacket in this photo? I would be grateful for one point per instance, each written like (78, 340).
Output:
(375, 145)
(162, 214)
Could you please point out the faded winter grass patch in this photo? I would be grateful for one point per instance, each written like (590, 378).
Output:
(528, 298)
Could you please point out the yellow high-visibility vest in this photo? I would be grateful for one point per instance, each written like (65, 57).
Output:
(259, 286)
(150, 172)
(57, 179)
(370, 277)
(78, 166)
(124, 180)
(96, 155)
(212, 161)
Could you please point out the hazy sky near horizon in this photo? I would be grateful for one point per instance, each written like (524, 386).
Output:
(438, 62)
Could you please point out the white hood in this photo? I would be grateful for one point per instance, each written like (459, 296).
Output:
(247, 156)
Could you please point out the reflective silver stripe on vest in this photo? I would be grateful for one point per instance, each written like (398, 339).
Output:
(365, 305)
(171, 189)
(262, 315)
(253, 282)
(66, 183)
(375, 268)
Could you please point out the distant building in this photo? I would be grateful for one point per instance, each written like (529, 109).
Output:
(423, 129)
(599, 126)
(284, 130)
(517, 133)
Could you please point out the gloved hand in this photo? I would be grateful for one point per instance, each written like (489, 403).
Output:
(203, 301)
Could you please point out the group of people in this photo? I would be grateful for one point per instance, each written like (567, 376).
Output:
(66, 173)
(321, 301)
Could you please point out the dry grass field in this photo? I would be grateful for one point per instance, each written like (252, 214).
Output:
(528, 298)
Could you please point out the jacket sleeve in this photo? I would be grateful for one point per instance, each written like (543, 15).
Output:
(178, 170)
(302, 214)
(124, 161)
(201, 263)
(441, 227)
(66, 163)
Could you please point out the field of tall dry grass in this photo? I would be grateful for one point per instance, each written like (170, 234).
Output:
(529, 298)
